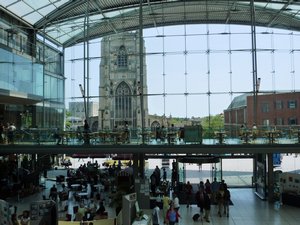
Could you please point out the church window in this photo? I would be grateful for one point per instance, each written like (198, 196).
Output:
(122, 57)
(123, 102)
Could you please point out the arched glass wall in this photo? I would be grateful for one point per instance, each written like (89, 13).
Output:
(198, 70)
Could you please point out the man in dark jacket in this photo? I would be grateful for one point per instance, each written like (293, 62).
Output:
(203, 202)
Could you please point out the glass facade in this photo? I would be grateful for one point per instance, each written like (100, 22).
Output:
(20, 74)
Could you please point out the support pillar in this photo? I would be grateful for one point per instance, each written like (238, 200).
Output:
(270, 177)
(138, 165)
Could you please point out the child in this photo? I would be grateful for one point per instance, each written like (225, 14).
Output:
(172, 216)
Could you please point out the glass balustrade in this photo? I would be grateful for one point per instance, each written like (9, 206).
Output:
(149, 136)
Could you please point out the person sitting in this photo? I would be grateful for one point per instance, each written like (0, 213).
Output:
(14, 219)
(81, 212)
(88, 216)
(24, 218)
(101, 209)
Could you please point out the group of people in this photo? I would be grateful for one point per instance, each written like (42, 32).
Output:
(216, 193)
(246, 134)
(94, 211)
(170, 134)
(170, 212)
(121, 134)
(208, 193)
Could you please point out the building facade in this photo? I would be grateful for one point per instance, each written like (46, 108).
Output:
(121, 89)
(31, 77)
(77, 109)
(273, 110)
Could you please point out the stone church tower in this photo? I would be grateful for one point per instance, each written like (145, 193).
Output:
(120, 90)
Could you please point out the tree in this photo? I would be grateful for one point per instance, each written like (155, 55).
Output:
(68, 123)
(211, 124)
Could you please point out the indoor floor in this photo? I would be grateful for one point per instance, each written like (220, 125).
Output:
(247, 209)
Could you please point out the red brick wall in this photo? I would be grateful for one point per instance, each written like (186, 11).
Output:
(238, 115)
(285, 113)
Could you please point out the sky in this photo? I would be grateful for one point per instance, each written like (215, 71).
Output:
(211, 69)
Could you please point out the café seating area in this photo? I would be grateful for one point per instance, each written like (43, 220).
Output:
(185, 135)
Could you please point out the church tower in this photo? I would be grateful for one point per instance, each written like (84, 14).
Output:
(120, 84)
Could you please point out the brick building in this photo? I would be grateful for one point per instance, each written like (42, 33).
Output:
(280, 110)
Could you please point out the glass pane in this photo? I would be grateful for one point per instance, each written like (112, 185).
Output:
(45, 10)
(20, 8)
(33, 17)
(5, 3)
(37, 4)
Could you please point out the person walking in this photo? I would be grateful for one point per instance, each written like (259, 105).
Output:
(201, 186)
(86, 133)
(214, 190)
(164, 175)
(153, 183)
(166, 205)
(176, 202)
(188, 193)
(207, 187)
(199, 196)
(207, 205)
(226, 200)
(203, 202)
(220, 198)
(53, 193)
(155, 215)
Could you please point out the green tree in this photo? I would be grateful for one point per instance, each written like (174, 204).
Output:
(68, 123)
(211, 124)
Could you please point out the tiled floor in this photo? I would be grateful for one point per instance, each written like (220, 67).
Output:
(247, 209)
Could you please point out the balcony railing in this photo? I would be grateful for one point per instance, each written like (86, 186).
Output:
(184, 136)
